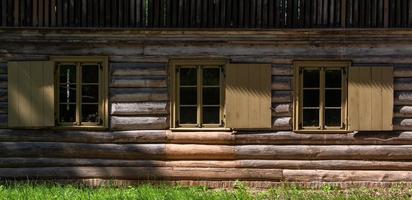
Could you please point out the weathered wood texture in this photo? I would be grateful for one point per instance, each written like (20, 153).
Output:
(212, 138)
(207, 152)
(403, 97)
(280, 47)
(144, 173)
(282, 79)
(139, 96)
(277, 156)
(204, 14)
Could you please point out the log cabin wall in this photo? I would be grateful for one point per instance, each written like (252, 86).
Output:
(139, 147)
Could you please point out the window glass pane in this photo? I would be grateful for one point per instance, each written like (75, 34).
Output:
(188, 115)
(311, 98)
(67, 74)
(333, 98)
(333, 78)
(211, 96)
(67, 94)
(67, 113)
(90, 113)
(211, 115)
(311, 78)
(188, 76)
(188, 96)
(90, 93)
(90, 73)
(310, 117)
(211, 76)
(332, 117)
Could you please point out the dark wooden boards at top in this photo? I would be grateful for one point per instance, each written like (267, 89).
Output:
(265, 14)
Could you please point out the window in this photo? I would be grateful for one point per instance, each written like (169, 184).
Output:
(321, 95)
(216, 94)
(81, 93)
(199, 96)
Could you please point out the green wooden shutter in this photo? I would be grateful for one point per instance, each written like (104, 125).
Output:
(248, 96)
(31, 94)
(370, 98)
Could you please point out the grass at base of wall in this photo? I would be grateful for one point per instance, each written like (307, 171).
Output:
(28, 191)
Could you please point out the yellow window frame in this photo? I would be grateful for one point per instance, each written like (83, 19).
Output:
(79, 62)
(200, 64)
(322, 66)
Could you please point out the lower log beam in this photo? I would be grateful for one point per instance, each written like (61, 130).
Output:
(346, 176)
(144, 173)
(256, 164)
(206, 152)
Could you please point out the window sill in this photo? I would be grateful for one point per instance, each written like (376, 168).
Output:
(201, 129)
(323, 131)
(77, 128)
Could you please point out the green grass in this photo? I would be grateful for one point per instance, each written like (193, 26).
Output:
(29, 191)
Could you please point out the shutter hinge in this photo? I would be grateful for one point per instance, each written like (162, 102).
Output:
(101, 67)
(300, 125)
(300, 70)
(177, 70)
(344, 71)
(222, 69)
(222, 122)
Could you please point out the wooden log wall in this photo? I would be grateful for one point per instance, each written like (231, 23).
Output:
(139, 100)
(139, 96)
(207, 156)
(282, 106)
(403, 97)
(262, 14)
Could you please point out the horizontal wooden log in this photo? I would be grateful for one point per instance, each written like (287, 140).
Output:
(145, 173)
(324, 152)
(289, 137)
(282, 110)
(282, 82)
(322, 164)
(257, 164)
(282, 123)
(78, 150)
(3, 68)
(346, 176)
(207, 152)
(403, 111)
(140, 108)
(138, 94)
(188, 137)
(403, 98)
(402, 124)
(402, 71)
(282, 70)
(117, 151)
(146, 136)
(281, 96)
(138, 123)
(139, 69)
(138, 82)
(402, 83)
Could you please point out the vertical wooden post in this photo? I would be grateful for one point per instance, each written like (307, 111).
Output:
(343, 14)
(386, 13)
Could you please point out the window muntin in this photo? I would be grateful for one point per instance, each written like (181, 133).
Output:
(321, 95)
(199, 92)
(80, 94)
